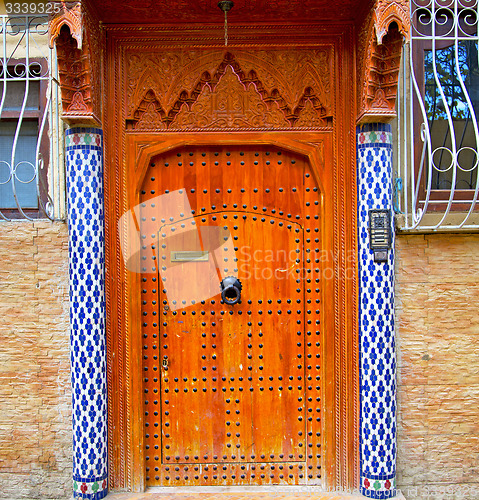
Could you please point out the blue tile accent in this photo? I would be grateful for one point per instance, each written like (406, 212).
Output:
(376, 317)
(84, 162)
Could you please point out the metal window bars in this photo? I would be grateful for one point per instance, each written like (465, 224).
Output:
(32, 180)
(437, 183)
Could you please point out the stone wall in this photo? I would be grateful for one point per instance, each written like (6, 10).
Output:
(35, 400)
(438, 364)
(437, 306)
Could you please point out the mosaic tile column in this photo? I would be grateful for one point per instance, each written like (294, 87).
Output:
(84, 163)
(376, 316)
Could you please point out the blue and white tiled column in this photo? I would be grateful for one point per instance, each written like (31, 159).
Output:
(84, 163)
(376, 318)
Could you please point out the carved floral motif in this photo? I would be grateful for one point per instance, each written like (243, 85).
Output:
(230, 105)
(293, 87)
(309, 117)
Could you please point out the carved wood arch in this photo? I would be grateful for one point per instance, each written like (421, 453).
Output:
(379, 55)
(303, 102)
(71, 16)
(79, 40)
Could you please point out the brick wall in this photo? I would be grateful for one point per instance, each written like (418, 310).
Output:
(35, 401)
(438, 366)
(438, 358)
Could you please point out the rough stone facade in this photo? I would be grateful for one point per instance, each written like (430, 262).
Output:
(438, 355)
(35, 400)
(437, 296)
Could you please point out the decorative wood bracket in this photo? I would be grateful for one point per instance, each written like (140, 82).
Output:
(380, 43)
(78, 37)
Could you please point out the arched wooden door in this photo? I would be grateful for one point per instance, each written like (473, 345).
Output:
(232, 393)
(257, 138)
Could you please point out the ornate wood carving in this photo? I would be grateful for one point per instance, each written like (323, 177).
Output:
(231, 106)
(379, 56)
(267, 89)
(387, 12)
(79, 41)
(164, 77)
(70, 14)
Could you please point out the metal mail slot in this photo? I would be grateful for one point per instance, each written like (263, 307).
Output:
(190, 256)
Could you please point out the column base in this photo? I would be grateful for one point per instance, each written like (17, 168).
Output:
(375, 487)
(90, 489)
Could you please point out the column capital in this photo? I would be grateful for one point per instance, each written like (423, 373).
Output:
(374, 134)
(79, 39)
(380, 40)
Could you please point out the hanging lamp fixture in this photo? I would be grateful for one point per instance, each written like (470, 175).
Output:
(226, 6)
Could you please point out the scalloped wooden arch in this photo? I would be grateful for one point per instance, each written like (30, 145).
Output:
(388, 12)
(149, 102)
(79, 70)
(379, 55)
(68, 16)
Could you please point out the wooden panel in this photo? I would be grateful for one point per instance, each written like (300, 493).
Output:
(234, 389)
(234, 368)
(241, 474)
(244, 11)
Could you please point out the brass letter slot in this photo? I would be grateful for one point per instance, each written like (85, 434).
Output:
(190, 256)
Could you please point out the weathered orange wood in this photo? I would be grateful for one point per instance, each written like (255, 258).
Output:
(235, 387)
(324, 140)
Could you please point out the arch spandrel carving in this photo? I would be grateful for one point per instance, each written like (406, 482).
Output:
(379, 48)
(291, 71)
(167, 74)
(79, 40)
(290, 82)
(230, 105)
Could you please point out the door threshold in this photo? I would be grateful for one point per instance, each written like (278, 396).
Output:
(282, 492)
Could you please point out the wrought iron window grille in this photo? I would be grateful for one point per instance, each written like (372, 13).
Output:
(438, 133)
(31, 158)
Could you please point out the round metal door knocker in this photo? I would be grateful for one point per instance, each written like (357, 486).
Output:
(231, 290)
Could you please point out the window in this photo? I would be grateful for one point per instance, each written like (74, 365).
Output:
(439, 97)
(29, 126)
(19, 134)
(455, 82)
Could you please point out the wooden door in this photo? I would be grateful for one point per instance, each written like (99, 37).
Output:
(226, 387)
(180, 91)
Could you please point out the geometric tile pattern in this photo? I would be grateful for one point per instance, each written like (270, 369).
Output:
(374, 136)
(82, 137)
(376, 316)
(84, 164)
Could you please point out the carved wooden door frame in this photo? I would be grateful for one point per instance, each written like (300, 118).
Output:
(337, 180)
